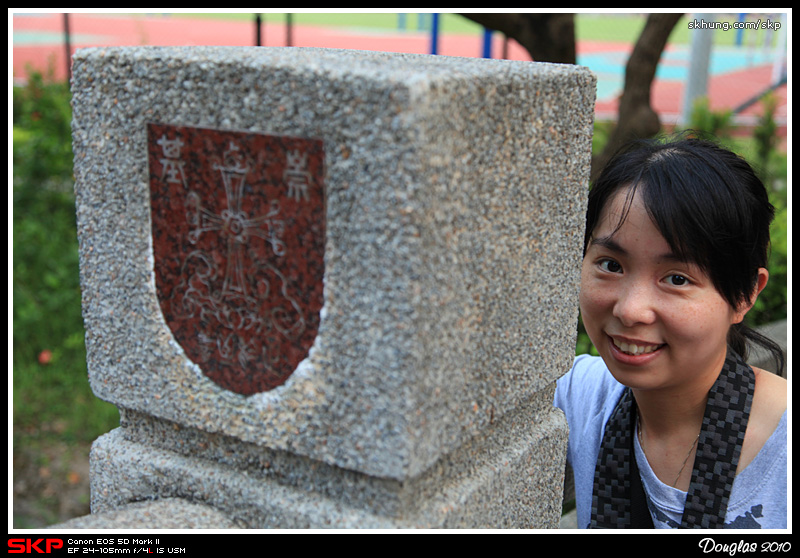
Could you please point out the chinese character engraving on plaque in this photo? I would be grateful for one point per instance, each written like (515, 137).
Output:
(238, 223)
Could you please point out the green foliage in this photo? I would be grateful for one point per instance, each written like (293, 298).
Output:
(765, 134)
(761, 149)
(717, 123)
(771, 304)
(42, 152)
(50, 388)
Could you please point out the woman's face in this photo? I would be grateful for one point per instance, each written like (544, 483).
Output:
(657, 321)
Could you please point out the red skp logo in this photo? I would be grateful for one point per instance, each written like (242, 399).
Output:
(29, 546)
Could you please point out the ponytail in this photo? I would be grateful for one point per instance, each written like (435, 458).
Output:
(740, 337)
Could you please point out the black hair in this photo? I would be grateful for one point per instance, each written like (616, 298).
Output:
(710, 207)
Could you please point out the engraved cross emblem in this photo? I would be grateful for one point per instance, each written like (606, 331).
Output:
(238, 254)
(234, 223)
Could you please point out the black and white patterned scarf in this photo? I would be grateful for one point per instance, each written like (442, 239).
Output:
(618, 497)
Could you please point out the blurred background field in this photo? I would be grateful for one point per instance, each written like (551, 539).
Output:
(55, 415)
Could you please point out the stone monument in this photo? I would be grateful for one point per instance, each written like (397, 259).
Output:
(328, 288)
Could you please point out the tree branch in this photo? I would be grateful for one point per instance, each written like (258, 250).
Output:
(546, 37)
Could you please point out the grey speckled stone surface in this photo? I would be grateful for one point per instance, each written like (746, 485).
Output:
(455, 199)
(509, 478)
(154, 514)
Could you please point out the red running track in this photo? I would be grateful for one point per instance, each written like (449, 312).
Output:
(39, 43)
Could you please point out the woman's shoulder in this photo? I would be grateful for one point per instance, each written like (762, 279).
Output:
(586, 369)
(590, 368)
(587, 384)
(771, 388)
(759, 496)
(767, 410)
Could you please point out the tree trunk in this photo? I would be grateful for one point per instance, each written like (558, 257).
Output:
(636, 118)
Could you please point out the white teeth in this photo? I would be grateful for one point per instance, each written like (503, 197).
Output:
(632, 349)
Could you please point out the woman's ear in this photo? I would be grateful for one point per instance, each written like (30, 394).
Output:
(761, 282)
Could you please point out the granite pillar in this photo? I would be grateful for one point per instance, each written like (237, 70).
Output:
(330, 288)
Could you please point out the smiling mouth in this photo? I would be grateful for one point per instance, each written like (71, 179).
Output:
(635, 349)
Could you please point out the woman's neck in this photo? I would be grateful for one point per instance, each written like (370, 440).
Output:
(675, 409)
(664, 414)
(669, 428)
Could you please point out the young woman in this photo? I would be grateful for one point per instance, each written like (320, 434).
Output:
(669, 427)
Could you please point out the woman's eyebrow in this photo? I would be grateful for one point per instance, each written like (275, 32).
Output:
(612, 245)
(608, 243)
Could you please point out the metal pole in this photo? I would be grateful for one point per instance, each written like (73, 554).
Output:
(779, 66)
(487, 43)
(435, 34)
(697, 80)
(68, 47)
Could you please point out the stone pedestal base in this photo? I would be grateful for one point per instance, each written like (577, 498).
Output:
(504, 480)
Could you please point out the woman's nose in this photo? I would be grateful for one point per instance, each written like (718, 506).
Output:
(635, 304)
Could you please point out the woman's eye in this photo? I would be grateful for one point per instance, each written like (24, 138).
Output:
(677, 280)
(611, 266)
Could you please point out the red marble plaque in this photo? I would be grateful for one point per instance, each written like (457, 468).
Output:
(238, 223)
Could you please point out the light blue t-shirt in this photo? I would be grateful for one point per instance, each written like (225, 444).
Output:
(588, 394)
